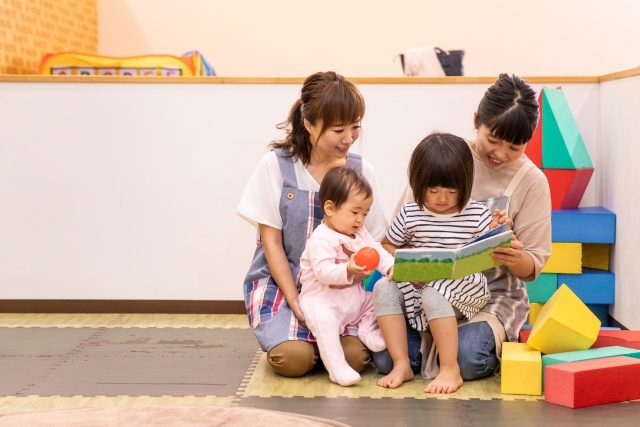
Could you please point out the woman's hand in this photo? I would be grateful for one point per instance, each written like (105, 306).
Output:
(511, 255)
(297, 311)
(519, 263)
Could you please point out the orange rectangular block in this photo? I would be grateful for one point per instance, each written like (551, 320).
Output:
(592, 382)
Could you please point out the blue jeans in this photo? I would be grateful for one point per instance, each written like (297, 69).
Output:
(476, 352)
(382, 359)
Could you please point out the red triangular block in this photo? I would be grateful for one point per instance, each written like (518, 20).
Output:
(567, 186)
(533, 150)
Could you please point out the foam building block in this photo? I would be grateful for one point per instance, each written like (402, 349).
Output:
(534, 311)
(562, 144)
(524, 334)
(533, 150)
(592, 286)
(590, 354)
(585, 225)
(567, 186)
(602, 312)
(565, 258)
(624, 338)
(541, 289)
(606, 337)
(521, 370)
(592, 382)
(564, 324)
(596, 256)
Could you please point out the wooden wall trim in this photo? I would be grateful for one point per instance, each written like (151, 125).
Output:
(122, 306)
(34, 78)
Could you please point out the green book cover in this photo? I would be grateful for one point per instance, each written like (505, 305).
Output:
(425, 265)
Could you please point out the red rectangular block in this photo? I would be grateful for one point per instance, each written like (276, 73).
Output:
(622, 338)
(592, 382)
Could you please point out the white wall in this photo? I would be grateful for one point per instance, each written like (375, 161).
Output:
(362, 37)
(128, 190)
(619, 153)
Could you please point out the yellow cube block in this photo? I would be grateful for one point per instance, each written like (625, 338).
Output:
(596, 255)
(565, 323)
(521, 369)
(565, 258)
(534, 311)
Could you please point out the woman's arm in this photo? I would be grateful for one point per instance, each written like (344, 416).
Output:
(279, 267)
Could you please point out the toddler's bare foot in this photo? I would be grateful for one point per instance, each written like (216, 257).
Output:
(400, 373)
(447, 381)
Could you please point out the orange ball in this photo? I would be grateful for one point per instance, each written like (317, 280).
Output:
(367, 257)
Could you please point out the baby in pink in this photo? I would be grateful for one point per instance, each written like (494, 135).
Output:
(332, 295)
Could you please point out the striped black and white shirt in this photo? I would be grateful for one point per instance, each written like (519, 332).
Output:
(424, 229)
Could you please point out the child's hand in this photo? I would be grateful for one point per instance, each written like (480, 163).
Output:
(498, 218)
(359, 273)
(390, 273)
(419, 285)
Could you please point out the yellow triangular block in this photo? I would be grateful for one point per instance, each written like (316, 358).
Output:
(565, 323)
(521, 369)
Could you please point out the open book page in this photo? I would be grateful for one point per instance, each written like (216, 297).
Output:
(425, 265)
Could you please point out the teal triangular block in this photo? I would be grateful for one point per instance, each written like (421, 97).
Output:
(562, 144)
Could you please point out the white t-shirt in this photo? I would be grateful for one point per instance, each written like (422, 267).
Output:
(261, 197)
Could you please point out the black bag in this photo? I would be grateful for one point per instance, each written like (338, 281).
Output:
(450, 60)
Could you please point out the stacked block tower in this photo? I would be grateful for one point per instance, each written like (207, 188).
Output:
(581, 237)
(567, 351)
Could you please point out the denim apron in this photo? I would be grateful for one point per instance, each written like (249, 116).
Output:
(270, 317)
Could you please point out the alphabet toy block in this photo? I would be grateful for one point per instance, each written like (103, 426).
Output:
(565, 258)
(594, 353)
(521, 370)
(562, 145)
(596, 256)
(567, 186)
(592, 286)
(585, 225)
(624, 338)
(534, 311)
(564, 324)
(533, 150)
(592, 382)
(541, 289)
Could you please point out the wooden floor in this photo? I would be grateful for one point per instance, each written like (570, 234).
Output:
(477, 403)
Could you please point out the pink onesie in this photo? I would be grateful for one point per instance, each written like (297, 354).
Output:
(328, 310)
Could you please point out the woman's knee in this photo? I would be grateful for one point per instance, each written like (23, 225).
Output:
(476, 351)
(293, 358)
(356, 353)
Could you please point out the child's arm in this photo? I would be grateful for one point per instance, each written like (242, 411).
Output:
(388, 246)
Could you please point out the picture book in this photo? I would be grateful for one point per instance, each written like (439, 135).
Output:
(425, 265)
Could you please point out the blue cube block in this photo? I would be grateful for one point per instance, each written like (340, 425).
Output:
(583, 225)
(592, 286)
(602, 312)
